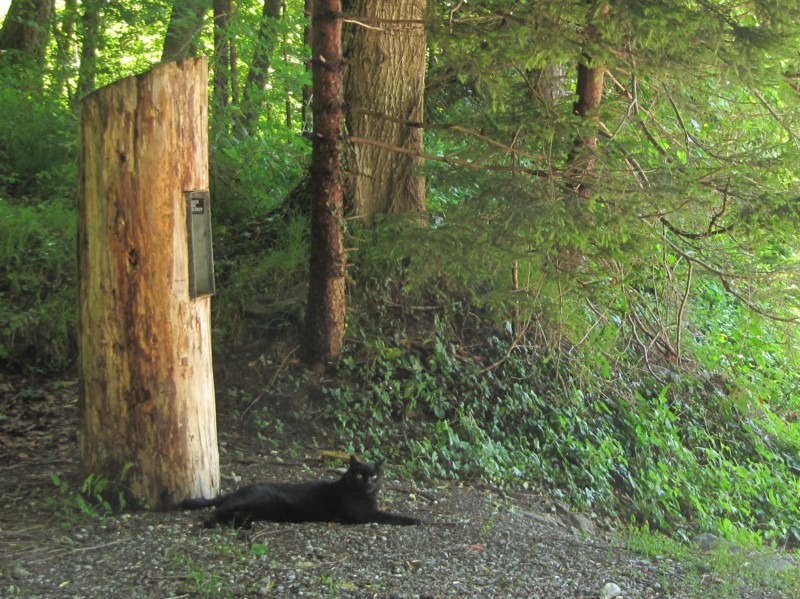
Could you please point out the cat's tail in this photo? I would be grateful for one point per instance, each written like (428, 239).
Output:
(198, 503)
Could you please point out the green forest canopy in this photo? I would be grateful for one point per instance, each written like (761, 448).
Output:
(608, 291)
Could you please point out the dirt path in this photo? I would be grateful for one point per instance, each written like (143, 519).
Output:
(474, 543)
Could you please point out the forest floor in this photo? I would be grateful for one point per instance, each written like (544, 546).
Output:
(474, 541)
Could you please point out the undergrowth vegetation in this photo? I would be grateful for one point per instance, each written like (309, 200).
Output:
(38, 277)
(37, 226)
(705, 440)
(96, 499)
(731, 569)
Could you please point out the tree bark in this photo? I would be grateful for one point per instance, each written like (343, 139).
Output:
(582, 159)
(325, 318)
(589, 88)
(308, 90)
(146, 383)
(222, 52)
(385, 76)
(66, 49)
(26, 30)
(258, 75)
(87, 71)
(185, 24)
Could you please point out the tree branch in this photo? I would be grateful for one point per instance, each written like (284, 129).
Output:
(689, 235)
(726, 284)
(775, 115)
(453, 161)
(447, 126)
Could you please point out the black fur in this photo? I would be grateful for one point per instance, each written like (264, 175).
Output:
(353, 499)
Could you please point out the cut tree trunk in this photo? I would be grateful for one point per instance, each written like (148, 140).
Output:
(146, 388)
(325, 317)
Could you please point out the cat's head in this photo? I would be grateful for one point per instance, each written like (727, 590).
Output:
(367, 478)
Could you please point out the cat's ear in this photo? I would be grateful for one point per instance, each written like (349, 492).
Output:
(378, 465)
(353, 461)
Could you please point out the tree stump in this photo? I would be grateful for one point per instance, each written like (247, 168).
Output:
(146, 380)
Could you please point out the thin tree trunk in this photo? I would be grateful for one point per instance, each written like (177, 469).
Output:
(146, 382)
(385, 77)
(590, 95)
(589, 89)
(222, 52)
(325, 318)
(87, 72)
(67, 48)
(258, 75)
(308, 9)
(186, 21)
(582, 159)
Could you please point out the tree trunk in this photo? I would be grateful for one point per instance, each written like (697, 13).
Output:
(222, 52)
(87, 71)
(325, 318)
(385, 77)
(582, 159)
(147, 388)
(590, 94)
(26, 30)
(258, 75)
(185, 24)
(67, 50)
(308, 90)
(589, 89)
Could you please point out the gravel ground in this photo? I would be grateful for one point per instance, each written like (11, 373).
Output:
(473, 543)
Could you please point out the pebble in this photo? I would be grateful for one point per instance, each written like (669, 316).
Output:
(610, 590)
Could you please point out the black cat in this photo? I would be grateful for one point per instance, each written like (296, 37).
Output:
(353, 499)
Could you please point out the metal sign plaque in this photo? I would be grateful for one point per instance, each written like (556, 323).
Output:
(201, 252)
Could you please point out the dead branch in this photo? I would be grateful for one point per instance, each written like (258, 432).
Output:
(453, 161)
(775, 115)
(448, 126)
(725, 277)
(689, 235)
